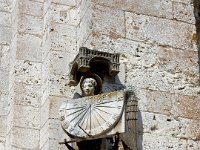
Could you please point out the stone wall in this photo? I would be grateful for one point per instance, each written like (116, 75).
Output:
(156, 40)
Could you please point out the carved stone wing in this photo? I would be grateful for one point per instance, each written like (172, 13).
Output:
(129, 137)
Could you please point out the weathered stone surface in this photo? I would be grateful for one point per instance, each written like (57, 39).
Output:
(25, 138)
(59, 85)
(5, 35)
(102, 24)
(84, 28)
(29, 47)
(31, 7)
(161, 8)
(161, 31)
(5, 18)
(184, 1)
(4, 56)
(193, 145)
(169, 126)
(154, 142)
(3, 127)
(30, 24)
(27, 95)
(27, 116)
(65, 14)
(159, 102)
(63, 38)
(44, 134)
(186, 106)
(184, 12)
(151, 66)
(4, 104)
(28, 72)
(58, 59)
(66, 2)
(4, 82)
(157, 42)
(6, 6)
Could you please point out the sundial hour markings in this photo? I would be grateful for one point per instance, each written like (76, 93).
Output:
(77, 116)
(107, 106)
(83, 116)
(75, 112)
(75, 108)
(96, 118)
(100, 115)
(105, 102)
(104, 111)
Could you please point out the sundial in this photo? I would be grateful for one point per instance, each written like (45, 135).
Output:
(98, 110)
(92, 116)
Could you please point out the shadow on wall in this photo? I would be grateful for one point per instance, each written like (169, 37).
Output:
(197, 17)
(139, 131)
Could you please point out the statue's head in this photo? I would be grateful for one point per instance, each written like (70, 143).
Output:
(91, 85)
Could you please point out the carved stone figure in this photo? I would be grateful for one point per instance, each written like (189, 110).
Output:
(99, 111)
(88, 86)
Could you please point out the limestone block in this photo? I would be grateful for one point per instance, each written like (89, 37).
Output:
(27, 95)
(59, 85)
(63, 37)
(4, 104)
(161, 31)
(3, 126)
(28, 72)
(193, 145)
(152, 66)
(128, 48)
(25, 138)
(84, 6)
(153, 142)
(45, 146)
(46, 7)
(158, 124)
(184, 1)
(53, 144)
(66, 2)
(103, 24)
(65, 14)
(54, 106)
(6, 6)
(31, 8)
(30, 24)
(189, 129)
(55, 130)
(4, 82)
(45, 108)
(184, 12)
(45, 72)
(2, 145)
(5, 18)
(84, 28)
(4, 56)
(27, 117)
(5, 35)
(186, 107)
(161, 8)
(159, 102)
(176, 61)
(44, 134)
(59, 62)
(29, 47)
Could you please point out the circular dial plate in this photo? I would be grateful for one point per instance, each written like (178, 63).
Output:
(94, 115)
